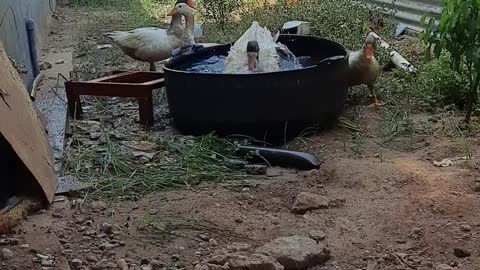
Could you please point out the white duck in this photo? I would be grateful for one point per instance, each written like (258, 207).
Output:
(254, 51)
(151, 44)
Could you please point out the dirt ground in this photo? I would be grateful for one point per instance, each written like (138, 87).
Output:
(389, 209)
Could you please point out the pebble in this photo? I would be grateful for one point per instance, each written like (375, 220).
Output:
(461, 253)
(213, 242)
(26, 246)
(99, 205)
(204, 237)
(122, 265)
(92, 259)
(60, 61)
(57, 215)
(317, 235)
(45, 65)
(41, 257)
(157, 265)
(175, 257)
(256, 169)
(106, 228)
(417, 230)
(466, 228)
(47, 263)
(76, 263)
(7, 254)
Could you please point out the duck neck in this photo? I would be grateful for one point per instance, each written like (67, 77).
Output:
(189, 28)
(176, 27)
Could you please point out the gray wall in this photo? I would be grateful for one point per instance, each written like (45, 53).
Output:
(410, 12)
(13, 32)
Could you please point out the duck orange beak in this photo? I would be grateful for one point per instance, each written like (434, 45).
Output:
(252, 60)
(172, 12)
(191, 4)
(369, 51)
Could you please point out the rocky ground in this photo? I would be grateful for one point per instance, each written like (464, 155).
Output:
(369, 206)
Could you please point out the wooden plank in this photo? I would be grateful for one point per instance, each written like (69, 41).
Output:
(22, 128)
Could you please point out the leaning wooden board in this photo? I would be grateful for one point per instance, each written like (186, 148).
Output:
(22, 128)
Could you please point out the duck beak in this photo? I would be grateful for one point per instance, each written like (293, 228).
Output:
(252, 60)
(191, 4)
(369, 51)
(172, 12)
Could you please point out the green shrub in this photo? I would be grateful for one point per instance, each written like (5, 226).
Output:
(345, 21)
(443, 86)
(458, 33)
(220, 11)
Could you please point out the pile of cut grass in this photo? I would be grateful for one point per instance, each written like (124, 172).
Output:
(115, 173)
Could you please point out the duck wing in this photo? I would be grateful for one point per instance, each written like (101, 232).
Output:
(236, 61)
(139, 37)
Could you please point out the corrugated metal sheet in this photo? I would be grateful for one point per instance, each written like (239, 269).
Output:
(13, 33)
(410, 12)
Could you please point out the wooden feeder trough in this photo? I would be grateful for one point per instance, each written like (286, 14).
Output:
(134, 84)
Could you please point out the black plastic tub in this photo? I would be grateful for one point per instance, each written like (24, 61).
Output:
(262, 105)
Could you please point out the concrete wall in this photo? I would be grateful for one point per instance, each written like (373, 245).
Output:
(13, 32)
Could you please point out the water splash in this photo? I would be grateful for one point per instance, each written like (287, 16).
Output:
(288, 60)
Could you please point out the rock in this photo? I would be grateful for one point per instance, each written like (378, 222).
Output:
(461, 253)
(335, 203)
(307, 201)
(239, 247)
(176, 257)
(256, 169)
(466, 228)
(204, 237)
(141, 154)
(417, 230)
(296, 252)
(13, 241)
(254, 262)
(57, 215)
(157, 265)
(107, 246)
(239, 220)
(7, 254)
(122, 265)
(9, 242)
(476, 187)
(25, 246)
(106, 228)
(145, 267)
(444, 267)
(45, 65)
(104, 46)
(99, 205)
(42, 257)
(59, 61)
(92, 259)
(76, 263)
(274, 172)
(317, 235)
(47, 263)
